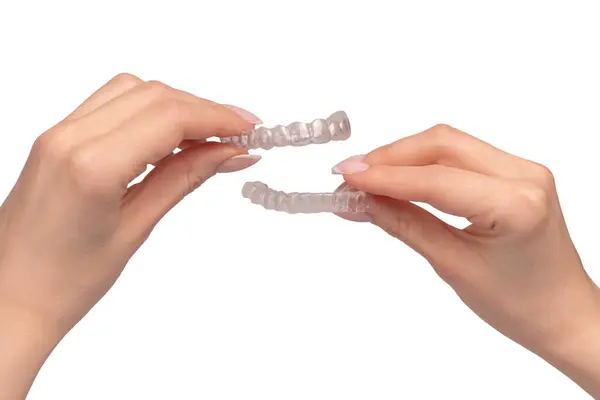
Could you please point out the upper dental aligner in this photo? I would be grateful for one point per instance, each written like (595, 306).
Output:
(344, 200)
(334, 128)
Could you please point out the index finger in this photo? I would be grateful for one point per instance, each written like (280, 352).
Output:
(445, 145)
(156, 131)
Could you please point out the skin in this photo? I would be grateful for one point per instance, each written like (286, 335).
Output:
(71, 223)
(515, 266)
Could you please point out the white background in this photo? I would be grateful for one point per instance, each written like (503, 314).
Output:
(229, 301)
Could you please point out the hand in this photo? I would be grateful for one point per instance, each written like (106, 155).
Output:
(515, 265)
(72, 221)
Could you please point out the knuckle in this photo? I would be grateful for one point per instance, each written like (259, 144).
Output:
(52, 144)
(442, 132)
(442, 138)
(84, 172)
(543, 175)
(126, 80)
(193, 180)
(533, 205)
(535, 197)
(158, 88)
(81, 163)
(193, 183)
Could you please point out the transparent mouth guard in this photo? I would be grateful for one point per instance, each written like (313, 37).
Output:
(334, 128)
(344, 200)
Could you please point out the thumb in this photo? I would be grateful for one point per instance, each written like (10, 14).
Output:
(175, 177)
(417, 228)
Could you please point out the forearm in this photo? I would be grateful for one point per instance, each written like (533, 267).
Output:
(25, 343)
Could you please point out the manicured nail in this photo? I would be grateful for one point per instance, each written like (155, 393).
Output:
(351, 165)
(245, 114)
(238, 163)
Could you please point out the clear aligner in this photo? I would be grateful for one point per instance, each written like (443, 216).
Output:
(344, 200)
(334, 128)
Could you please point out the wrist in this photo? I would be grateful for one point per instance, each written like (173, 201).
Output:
(25, 344)
(575, 350)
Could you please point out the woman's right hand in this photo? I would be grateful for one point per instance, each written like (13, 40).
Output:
(74, 218)
(515, 265)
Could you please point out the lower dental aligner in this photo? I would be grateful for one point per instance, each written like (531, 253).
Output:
(334, 128)
(344, 200)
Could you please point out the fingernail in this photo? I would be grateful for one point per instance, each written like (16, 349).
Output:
(245, 114)
(238, 163)
(351, 165)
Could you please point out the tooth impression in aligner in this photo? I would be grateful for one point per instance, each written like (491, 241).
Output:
(344, 200)
(334, 128)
